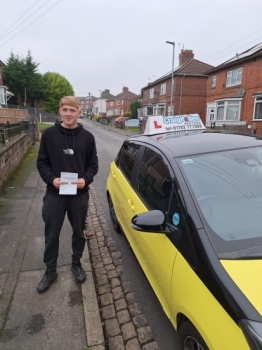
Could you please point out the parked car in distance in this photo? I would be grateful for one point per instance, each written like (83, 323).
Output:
(119, 120)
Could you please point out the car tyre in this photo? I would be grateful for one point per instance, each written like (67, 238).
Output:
(113, 217)
(190, 339)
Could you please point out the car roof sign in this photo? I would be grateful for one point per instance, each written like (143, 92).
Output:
(159, 124)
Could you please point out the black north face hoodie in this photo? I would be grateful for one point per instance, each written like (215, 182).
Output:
(67, 150)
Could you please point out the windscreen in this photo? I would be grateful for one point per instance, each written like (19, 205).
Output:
(227, 188)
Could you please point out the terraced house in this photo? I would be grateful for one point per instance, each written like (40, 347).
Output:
(120, 104)
(234, 91)
(189, 89)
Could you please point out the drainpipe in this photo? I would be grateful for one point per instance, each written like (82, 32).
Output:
(181, 93)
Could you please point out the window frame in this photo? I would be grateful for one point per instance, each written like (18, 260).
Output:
(163, 89)
(151, 93)
(255, 106)
(225, 105)
(230, 75)
(214, 81)
(3, 94)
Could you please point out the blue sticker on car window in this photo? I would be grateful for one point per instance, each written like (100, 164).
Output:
(176, 219)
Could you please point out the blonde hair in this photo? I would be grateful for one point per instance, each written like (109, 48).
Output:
(70, 101)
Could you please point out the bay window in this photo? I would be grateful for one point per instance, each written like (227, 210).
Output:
(3, 95)
(258, 108)
(228, 110)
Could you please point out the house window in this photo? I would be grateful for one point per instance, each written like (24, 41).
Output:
(2, 95)
(234, 77)
(111, 103)
(117, 102)
(214, 80)
(122, 102)
(151, 93)
(162, 89)
(228, 110)
(258, 108)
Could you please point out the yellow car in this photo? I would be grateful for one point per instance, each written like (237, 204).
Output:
(190, 205)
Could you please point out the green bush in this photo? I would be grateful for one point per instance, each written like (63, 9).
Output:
(127, 114)
(96, 117)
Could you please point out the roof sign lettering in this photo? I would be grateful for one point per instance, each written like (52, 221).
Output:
(159, 124)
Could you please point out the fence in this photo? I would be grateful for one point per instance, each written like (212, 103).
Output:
(12, 115)
(8, 131)
(241, 126)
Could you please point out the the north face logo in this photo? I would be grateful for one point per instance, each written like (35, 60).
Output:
(69, 151)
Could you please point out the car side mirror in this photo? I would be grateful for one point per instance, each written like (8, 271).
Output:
(150, 221)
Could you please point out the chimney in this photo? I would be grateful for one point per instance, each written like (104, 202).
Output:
(125, 89)
(185, 56)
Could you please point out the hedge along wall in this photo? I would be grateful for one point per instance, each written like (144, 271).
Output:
(11, 155)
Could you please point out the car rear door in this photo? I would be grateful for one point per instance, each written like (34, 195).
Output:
(152, 188)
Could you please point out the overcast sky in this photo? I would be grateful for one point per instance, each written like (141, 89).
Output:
(108, 44)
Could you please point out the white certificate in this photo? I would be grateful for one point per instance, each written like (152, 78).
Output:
(68, 188)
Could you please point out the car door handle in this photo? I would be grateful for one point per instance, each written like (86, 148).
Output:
(113, 174)
(131, 204)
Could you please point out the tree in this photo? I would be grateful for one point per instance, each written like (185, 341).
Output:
(56, 86)
(134, 105)
(21, 77)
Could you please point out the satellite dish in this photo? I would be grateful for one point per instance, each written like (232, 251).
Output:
(241, 91)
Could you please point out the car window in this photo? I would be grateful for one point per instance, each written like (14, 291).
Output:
(153, 182)
(127, 158)
(227, 188)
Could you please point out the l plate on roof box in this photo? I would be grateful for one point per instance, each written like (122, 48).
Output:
(159, 124)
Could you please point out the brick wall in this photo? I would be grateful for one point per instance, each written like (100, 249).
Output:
(11, 155)
(189, 95)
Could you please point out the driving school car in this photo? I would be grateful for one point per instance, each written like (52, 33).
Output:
(189, 201)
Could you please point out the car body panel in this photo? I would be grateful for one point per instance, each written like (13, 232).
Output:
(155, 252)
(247, 274)
(193, 299)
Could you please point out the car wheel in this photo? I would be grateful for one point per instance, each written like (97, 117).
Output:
(190, 339)
(113, 217)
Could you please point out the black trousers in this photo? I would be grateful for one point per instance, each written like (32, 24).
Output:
(53, 212)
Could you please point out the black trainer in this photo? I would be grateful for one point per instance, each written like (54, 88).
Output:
(47, 280)
(78, 272)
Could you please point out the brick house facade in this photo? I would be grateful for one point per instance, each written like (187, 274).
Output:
(100, 104)
(234, 91)
(189, 91)
(120, 104)
(86, 103)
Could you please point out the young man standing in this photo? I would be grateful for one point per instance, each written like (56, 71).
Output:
(69, 149)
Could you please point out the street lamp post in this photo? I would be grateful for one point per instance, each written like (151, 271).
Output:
(172, 82)
(100, 102)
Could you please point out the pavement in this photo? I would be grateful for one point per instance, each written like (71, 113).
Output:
(100, 314)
